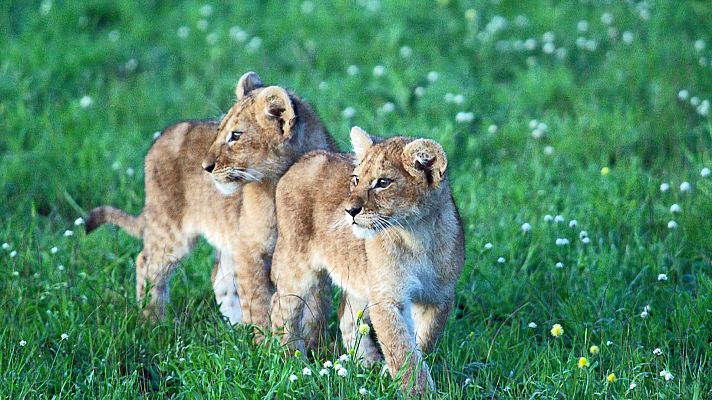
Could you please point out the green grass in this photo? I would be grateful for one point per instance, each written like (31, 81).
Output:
(615, 107)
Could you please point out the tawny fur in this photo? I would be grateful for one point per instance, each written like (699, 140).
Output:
(232, 206)
(403, 274)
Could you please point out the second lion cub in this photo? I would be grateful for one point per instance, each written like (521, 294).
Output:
(387, 232)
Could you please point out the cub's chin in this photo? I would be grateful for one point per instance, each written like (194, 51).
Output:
(361, 232)
(226, 188)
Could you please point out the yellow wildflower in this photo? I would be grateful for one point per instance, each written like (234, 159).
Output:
(594, 350)
(605, 171)
(583, 362)
(557, 330)
(611, 378)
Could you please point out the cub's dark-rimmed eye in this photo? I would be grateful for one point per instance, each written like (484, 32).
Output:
(383, 183)
(233, 136)
(354, 180)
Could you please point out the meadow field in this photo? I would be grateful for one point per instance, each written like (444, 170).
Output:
(579, 141)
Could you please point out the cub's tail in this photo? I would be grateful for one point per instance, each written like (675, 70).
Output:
(133, 225)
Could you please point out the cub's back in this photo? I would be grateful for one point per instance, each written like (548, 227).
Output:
(310, 194)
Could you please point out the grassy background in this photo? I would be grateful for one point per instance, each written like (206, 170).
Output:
(617, 129)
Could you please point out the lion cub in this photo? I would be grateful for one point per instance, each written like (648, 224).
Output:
(227, 196)
(387, 232)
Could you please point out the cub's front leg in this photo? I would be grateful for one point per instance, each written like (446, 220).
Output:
(252, 275)
(393, 325)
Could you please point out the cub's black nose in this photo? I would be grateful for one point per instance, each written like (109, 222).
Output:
(209, 167)
(354, 211)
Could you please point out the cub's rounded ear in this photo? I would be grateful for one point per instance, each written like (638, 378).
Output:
(426, 158)
(361, 142)
(247, 83)
(277, 105)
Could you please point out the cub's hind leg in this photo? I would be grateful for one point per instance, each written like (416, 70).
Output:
(225, 287)
(295, 281)
(163, 248)
(429, 321)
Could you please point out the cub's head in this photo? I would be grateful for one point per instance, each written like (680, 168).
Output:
(251, 144)
(396, 182)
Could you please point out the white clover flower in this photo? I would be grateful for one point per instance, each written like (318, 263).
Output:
(632, 386)
(585, 240)
(644, 314)
(591, 45)
(114, 35)
(23, 343)
(464, 117)
(559, 265)
(60, 267)
(627, 37)
(183, 32)
(530, 44)
(307, 7)
(492, 129)
(344, 357)
(533, 124)
(700, 44)
(675, 208)
(559, 218)
(352, 70)
(705, 172)
(202, 25)
(6, 246)
(54, 250)
(323, 372)
(561, 53)
(433, 76)
(348, 112)
(342, 372)
(254, 44)
(542, 126)
(388, 107)
(537, 133)
(64, 336)
(548, 48)
(609, 343)
(658, 352)
(323, 86)
(582, 26)
(85, 102)
(449, 97)
(548, 150)
(238, 35)
(364, 329)
(573, 223)
(306, 371)
(13, 254)
(379, 70)
(612, 32)
(501, 260)
(683, 94)
(488, 246)
(695, 101)
(526, 227)
(704, 108)
(156, 135)
(662, 277)
(647, 308)
(68, 233)
(548, 218)
(664, 187)
(45, 7)
(405, 51)
(419, 91)
(548, 37)
(668, 376)
(206, 10)
(532, 325)
(467, 382)
(292, 378)
(562, 242)
(672, 224)
(363, 391)
(607, 18)
(458, 99)
(328, 364)
(130, 171)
